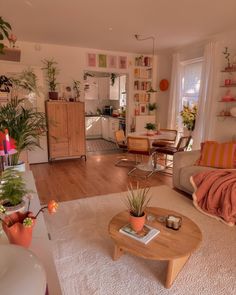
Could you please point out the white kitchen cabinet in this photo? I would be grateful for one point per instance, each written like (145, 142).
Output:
(103, 88)
(113, 126)
(115, 90)
(105, 128)
(93, 126)
(91, 88)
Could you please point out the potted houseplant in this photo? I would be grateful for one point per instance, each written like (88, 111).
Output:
(188, 115)
(152, 107)
(5, 29)
(76, 88)
(25, 126)
(151, 127)
(136, 202)
(19, 226)
(12, 190)
(51, 70)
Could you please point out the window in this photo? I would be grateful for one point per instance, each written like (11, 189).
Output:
(191, 79)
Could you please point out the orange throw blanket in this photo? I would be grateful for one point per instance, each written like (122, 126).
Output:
(215, 194)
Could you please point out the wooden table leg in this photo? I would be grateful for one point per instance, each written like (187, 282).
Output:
(174, 267)
(118, 252)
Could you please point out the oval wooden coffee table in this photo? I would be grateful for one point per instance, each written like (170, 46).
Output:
(170, 245)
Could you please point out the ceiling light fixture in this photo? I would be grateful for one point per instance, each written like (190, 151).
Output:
(139, 38)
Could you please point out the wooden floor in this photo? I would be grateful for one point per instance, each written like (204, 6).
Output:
(72, 179)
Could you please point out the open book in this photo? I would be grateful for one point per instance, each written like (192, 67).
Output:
(145, 236)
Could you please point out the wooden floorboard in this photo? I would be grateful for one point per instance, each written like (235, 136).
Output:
(73, 179)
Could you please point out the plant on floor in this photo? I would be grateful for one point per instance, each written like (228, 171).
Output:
(150, 126)
(188, 115)
(13, 188)
(25, 126)
(51, 71)
(5, 29)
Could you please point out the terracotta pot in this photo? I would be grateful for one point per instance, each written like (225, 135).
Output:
(16, 232)
(137, 223)
(53, 95)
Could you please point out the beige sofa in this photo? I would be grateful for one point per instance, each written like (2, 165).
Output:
(184, 168)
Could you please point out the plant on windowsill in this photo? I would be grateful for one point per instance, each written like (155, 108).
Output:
(188, 115)
(19, 226)
(136, 201)
(151, 127)
(51, 71)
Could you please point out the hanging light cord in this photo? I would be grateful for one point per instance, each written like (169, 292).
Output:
(147, 38)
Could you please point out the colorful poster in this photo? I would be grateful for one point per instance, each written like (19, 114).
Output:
(102, 60)
(112, 61)
(91, 59)
(123, 62)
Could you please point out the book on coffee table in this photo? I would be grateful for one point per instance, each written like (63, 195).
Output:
(145, 236)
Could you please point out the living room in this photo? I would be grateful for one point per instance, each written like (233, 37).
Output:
(109, 40)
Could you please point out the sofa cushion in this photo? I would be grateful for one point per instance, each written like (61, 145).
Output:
(218, 155)
(186, 172)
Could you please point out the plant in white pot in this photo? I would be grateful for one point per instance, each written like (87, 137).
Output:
(151, 127)
(152, 107)
(51, 71)
(136, 201)
(12, 190)
(25, 126)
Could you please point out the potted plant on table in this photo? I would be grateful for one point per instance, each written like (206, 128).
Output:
(19, 226)
(151, 127)
(51, 70)
(25, 126)
(136, 202)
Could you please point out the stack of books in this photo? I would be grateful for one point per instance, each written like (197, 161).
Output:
(145, 236)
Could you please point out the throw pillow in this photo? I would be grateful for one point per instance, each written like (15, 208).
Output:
(218, 155)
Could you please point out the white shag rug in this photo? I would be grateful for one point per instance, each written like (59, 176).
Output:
(82, 250)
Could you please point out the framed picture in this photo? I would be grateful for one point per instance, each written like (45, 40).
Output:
(112, 61)
(122, 62)
(102, 60)
(142, 109)
(91, 59)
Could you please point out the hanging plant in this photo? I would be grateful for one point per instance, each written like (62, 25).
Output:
(5, 27)
(113, 78)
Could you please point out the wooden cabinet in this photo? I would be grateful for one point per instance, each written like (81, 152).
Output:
(66, 129)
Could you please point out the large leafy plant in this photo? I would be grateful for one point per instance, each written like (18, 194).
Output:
(5, 27)
(12, 187)
(25, 126)
(51, 71)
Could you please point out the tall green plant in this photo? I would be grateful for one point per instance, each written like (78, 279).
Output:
(13, 187)
(51, 70)
(25, 126)
(5, 27)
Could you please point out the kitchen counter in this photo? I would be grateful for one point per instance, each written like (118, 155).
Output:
(105, 116)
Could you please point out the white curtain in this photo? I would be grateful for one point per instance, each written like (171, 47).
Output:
(174, 107)
(206, 104)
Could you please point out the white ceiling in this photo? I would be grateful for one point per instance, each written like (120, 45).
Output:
(111, 25)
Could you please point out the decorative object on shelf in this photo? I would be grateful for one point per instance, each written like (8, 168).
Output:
(76, 88)
(51, 71)
(227, 57)
(102, 60)
(19, 226)
(151, 127)
(233, 112)
(142, 109)
(188, 115)
(164, 85)
(173, 222)
(139, 38)
(13, 189)
(91, 59)
(228, 96)
(152, 107)
(5, 28)
(136, 201)
(12, 40)
(25, 126)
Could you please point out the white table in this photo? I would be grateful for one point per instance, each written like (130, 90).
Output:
(41, 245)
(152, 165)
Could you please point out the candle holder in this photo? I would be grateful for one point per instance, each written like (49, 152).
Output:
(173, 222)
